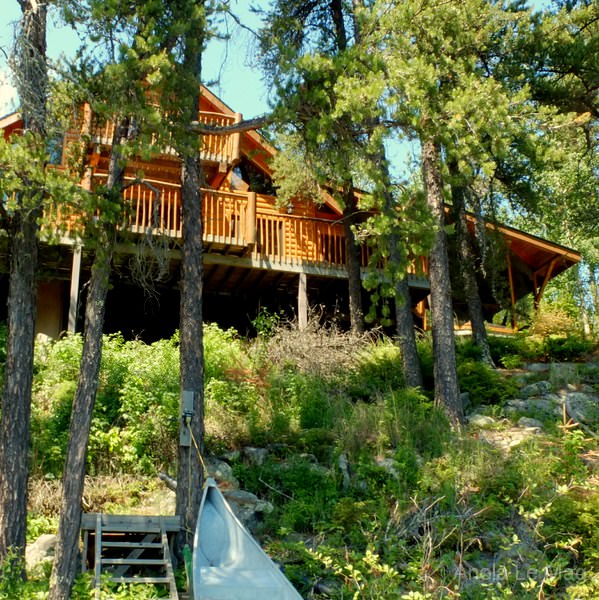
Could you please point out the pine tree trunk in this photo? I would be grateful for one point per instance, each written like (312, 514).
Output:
(190, 474)
(404, 321)
(67, 547)
(354, 265)
(406, 336)
(31, 77)
(16, 394)
(67, 557)
(447, 394)
(468, 273)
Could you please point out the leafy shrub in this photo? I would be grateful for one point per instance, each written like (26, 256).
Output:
(223, 352)
(303, 492)
(378, 368)
(50, 429)
(483, 384)
(520, 345)
(266, 323)
(573, 522)
(567, 348)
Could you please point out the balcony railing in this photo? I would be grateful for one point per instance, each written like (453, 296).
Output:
(233, 220)
(214, 148)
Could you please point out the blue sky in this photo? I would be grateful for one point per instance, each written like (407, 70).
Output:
(227, 65)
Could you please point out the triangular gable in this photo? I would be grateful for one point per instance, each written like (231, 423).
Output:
(10, 123)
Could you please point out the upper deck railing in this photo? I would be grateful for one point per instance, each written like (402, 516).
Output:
(236, 220)
(239, 222)
(214, 148)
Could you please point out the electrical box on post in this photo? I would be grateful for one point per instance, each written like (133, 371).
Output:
(187, 398)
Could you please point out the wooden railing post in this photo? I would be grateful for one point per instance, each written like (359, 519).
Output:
(236, 150)
(302, 301)
(250, 223)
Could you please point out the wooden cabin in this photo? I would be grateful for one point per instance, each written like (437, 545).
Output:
(256, 253)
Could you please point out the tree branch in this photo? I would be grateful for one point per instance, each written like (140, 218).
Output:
(241, 127)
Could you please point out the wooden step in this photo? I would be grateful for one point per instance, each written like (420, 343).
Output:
(113, 535)
(139, 545)
(133, 561)
(139, 579)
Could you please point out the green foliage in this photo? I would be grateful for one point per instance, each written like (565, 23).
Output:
(223, 352)
(377, 369)
(483, 384)
(368, 470)
(568, 348)
(266, 323)
(304, 493)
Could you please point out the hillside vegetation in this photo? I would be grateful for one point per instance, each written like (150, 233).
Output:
(373, 495)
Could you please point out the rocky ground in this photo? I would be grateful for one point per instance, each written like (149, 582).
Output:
(564, 395)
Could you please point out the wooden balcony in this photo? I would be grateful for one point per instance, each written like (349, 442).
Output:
(219, 149)
(237, 225)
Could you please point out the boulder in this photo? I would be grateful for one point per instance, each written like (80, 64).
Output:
(221, 472)
(248, 508)
(539, 388)
(530, 422)
(40, 551)
(476, 420)
(255, 456)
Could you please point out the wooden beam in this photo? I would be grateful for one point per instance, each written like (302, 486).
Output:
(74, 295)
(512, 292)
(236, 154)
(539, 293)
(302, 301)
(250, 221)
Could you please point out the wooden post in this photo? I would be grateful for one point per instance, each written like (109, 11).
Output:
(512, 293)
(250, 222)
(74, 297)
(541, 290)
(236, 150)
(302, 301)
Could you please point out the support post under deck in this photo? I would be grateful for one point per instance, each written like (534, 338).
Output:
(74, 297)
(302, 301)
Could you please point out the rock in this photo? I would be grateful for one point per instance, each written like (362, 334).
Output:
(247, 506)
(465, 398)
(582, 407)
(477, 420)
(232, 456)
(540, 388)
(546, 406)
(40, 551)
(222, 472)
(388, 465)
(343, 463)
(255, 456)
(507, 439)
(537, 367)
(515, 406)
(530, 422)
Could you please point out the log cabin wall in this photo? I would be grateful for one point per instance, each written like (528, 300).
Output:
(256, 253)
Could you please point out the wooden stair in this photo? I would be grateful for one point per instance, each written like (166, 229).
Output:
(131, 549)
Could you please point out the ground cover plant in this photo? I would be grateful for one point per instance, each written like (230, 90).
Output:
(373, 495)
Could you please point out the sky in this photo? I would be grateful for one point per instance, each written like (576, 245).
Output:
(227, 65)
(229, 68)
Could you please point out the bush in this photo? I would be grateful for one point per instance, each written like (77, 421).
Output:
(483, 384)
(568, 348)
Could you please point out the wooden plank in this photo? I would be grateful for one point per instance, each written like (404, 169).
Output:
(84, 552)
(132, 544)
(130, 523)
(138, 579)
(98, 556)
(132, 561)
(173, 595)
